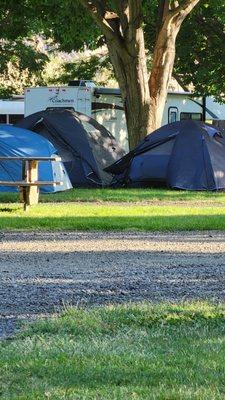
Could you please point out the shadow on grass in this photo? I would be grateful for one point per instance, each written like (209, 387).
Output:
(9, 210)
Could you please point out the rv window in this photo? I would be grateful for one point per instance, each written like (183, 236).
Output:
(14, 118)
(194, 116)
(3, 119)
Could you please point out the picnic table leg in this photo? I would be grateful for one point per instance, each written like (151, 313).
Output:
(23, 197)
(22, 190)
(32, 192)
(29, 195)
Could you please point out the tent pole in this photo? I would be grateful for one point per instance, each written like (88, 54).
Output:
(204, 108)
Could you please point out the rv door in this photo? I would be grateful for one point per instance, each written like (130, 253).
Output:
(172, 114)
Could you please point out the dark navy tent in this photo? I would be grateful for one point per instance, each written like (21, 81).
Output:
(85, 146)
(185, 155)
(17, 142)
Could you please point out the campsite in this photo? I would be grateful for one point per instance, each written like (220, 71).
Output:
(112, 193)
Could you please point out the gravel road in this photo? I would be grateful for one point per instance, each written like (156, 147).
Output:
(42, 271)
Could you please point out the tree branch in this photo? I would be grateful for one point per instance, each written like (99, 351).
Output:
(135, 19)
(135, 7)
(109, 23)
(174, 4)
(180, 82)
(163, 11)
(184, 9)
(98, 11)
(123, 12)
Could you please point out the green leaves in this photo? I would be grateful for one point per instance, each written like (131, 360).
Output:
(200, 44)
(67, 22)
(201, 50)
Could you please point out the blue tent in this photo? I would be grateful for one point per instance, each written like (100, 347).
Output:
(21, 143)
(186, 155)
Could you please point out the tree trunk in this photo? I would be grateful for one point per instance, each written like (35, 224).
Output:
(131, 73)
(162, 67)
(137, 103)
(143, 101)
(172, 16)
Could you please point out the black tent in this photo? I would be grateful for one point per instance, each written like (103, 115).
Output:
(85, 146)
(185, 155)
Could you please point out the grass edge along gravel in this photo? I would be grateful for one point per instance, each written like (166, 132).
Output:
(105, 217)
(130, 351)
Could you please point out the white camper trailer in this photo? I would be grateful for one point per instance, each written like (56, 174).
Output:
(106, 106)
(11, 110)
(179, 106)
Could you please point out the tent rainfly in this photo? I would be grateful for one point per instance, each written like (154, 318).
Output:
(85, 146)
(186, 155)
(17, 142)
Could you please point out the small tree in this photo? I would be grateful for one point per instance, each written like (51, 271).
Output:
(121, 22)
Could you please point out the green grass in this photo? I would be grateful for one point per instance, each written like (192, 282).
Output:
(91, 216)
(155, 352)
(123, 195)
(108, 209)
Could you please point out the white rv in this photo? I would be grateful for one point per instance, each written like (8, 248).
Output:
(105, 105)
(11, 110)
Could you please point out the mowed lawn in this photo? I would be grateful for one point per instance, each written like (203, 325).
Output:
(123, 195)
(139, 351)
(108, 209)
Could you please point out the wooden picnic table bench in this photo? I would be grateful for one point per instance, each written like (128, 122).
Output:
(29, 185)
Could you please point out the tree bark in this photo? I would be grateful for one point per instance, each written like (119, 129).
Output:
(161, 73)
(132, 75)
(164, 56)
(144, 98)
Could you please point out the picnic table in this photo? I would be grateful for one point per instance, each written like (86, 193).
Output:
(29, 185)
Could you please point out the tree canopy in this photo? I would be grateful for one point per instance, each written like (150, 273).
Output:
(200, 44)
(201, 50)
(129, 28)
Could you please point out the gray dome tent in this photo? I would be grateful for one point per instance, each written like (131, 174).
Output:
(184, 155)
(85, 146)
